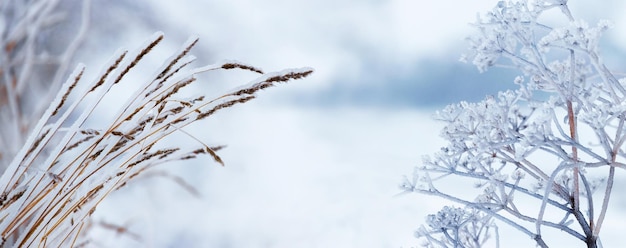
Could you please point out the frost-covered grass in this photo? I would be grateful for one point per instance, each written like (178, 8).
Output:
(66, 168)
(69, 163)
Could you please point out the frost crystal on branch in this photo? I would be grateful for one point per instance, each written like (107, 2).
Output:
(551, 143)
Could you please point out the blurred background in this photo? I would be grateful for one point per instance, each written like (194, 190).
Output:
(316, 162)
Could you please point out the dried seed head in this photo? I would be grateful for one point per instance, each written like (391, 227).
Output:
(229, 66)
(175, 60)
(69, 90)
(139, 56)
(108, 71)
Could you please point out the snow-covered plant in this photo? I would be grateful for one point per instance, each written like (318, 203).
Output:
(535, 156)
(96, 135)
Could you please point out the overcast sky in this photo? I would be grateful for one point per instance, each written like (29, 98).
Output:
(396, 53)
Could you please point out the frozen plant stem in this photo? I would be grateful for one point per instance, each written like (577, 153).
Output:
(571, 116)
(572, 129)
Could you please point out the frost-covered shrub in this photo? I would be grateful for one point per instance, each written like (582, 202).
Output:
(546, 147)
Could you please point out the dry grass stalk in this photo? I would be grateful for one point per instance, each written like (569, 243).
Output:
(67, 168)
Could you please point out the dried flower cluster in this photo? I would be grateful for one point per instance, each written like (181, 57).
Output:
(471, 227)
(551, 143)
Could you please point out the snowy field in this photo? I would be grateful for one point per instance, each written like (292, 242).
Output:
(294, 178)
(306, 173)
